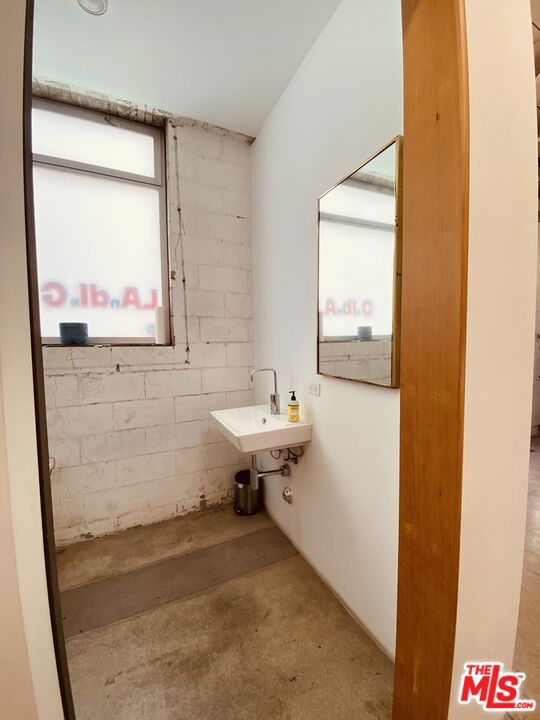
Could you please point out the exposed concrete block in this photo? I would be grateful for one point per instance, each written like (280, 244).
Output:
(147, 516)
(61, 390)
(147, 356)
(90, 419)
(198, 407)
(203, 355)
(200, 250)
(155, 493)
(221, 454)
(175, 436)
(241, 398)
(88, 478)
(193, 330)
(231, 228)
(65, 450)
(111, 387)
(190, 459)
(221, 479)
(205, 500)
(143, 413)
(145, 468)
(59, 488)
(187, 168)
(189, 485)
(237, 254)
(225, 329)
(211, 433)
(57, 358)
(191, 274)
(91, 357)
(215, 199)
(216, 379)
(80, 420)
(171, 383)
(196, 141)
(223, 174)
(65, 535)
(148, 447)
(113, 445)
(57, 423)
(205, 303)
(238, 305)
(240, 354)
(236, 153)
(224, 279)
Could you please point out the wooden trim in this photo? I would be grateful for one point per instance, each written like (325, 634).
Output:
(435, 225)
(39, 385)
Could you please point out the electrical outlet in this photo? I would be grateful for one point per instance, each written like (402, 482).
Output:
(314, 388)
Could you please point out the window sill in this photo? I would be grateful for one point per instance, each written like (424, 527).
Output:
(104, 344)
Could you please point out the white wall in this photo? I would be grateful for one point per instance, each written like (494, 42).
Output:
(129, 427)
(344, 103)
(28, 676)
(501, 295)
(223, 62)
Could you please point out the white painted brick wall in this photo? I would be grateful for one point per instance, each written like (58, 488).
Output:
(170, 383)
(144, 468)
(143, 413)
(223, 279)
(198, 407)
(225, 329)
(129, 427)
(110, 388)
(233, 378)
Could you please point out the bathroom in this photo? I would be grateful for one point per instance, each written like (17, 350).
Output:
(194, 286)
(143, 477)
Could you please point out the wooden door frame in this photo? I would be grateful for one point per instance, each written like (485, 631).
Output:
(435, 244)
(435, 227)
(47, 518)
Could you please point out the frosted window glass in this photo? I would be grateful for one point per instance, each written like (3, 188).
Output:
(78, 139)
(356, 251)
(99, 253)
(356, 275)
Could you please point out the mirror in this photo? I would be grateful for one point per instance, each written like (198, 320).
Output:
(360, 272)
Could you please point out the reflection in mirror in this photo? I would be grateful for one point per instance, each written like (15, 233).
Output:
(359, 273)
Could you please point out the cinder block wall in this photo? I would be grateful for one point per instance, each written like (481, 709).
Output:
(129, 427)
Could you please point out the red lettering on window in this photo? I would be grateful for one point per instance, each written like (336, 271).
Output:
(98, 298)
(53, 294)
(131, 298)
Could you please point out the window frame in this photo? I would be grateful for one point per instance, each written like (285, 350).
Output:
(158, 180)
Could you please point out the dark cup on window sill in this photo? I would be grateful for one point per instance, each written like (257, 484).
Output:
(73, 333)
(364, 333)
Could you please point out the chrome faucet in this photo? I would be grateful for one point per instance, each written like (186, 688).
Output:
(274, 397)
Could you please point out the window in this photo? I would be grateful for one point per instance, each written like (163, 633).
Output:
(100, 213)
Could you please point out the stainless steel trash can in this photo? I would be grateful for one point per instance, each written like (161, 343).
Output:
(246, 500)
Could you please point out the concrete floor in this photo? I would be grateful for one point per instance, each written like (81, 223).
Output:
(137, 547)
(269, 644)
(527, 654)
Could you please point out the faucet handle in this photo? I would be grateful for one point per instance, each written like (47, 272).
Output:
(274, 403)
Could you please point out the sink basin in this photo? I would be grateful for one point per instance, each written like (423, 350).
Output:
(253, 429)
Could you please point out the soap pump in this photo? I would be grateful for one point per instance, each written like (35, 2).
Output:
(293, 408)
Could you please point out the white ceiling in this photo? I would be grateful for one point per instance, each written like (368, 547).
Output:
(222, 61)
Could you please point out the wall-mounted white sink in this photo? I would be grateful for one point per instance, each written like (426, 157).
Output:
(253, 429)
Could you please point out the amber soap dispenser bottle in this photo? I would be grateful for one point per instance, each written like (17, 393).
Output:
(293, 408)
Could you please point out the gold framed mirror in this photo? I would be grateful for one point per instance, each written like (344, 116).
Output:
(359, 273)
